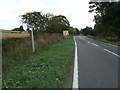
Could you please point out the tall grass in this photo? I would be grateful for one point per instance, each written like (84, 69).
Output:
(15, 51)
(48, 69)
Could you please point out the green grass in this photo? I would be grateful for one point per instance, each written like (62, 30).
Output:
(16, 51)
(106, 41)
(46, 70)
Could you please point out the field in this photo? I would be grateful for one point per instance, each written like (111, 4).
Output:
(13, 34)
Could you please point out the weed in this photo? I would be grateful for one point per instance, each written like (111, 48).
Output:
(15, 51)
(46, 70)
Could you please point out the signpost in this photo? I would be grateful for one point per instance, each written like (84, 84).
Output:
(33, 46)
(33, 41)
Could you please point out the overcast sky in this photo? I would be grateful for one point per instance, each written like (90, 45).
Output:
(76, 11)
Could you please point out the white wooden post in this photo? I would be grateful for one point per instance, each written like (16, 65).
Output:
(33, 46)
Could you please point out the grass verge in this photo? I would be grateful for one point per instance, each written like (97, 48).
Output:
(105, 40)
(18, 50)
(47, 70)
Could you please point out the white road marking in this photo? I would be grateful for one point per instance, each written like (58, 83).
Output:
(112, 52)
(75, 73)
(95, 44)
(82, 38)
(88, 41)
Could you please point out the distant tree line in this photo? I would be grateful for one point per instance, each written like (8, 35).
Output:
(87, 31)
(107, 18)
(19, 29)
(73, 30)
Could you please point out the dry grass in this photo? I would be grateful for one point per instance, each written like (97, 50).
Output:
(14, 35)
(15, 51)
(46, 70)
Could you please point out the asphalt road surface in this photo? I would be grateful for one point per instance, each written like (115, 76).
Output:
(97, 63)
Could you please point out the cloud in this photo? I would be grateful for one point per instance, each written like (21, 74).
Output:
(76, 11)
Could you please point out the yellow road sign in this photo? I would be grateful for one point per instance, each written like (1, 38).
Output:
(65, 33)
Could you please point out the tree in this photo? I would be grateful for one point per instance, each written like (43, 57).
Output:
(36, 20)
(45, 22)
(77, 31)
(98, 7)
(28, 30)
(72, 30)
(18, 29)
(112, 18)
(87, 31)
(57, 24)
(107, 18)
(21, 28)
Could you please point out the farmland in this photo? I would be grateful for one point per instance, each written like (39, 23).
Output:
(13, 34)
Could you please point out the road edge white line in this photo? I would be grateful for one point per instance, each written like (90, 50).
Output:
(85, 40)
(88, 42)
(75, 73)
(82, 38)
(112, 52)
(95, 44)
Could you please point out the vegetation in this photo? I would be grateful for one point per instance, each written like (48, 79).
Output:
(46, 70)
(18, 50)
(18, 29)
(88, 31)
(35, 20)
(49, 23)
(48, 66)
(74, 30)
(107, 19)
(15, 51)
(58, 24)
(111, 41)
(107, 27)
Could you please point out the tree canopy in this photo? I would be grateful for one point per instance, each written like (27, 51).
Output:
(58, 24)
(87, 31)
(35, 20)
(18, 29)
(107, 18)
(45, 22)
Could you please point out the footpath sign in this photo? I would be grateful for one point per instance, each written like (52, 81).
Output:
(65, 33)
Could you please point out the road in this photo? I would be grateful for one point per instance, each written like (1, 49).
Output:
(97, 63)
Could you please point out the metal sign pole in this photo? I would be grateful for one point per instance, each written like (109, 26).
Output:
(33, 41)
